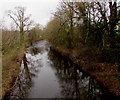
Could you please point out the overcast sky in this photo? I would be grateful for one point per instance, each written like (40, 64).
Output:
(40, 10)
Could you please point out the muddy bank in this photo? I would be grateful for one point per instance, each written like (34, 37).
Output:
(108, 79)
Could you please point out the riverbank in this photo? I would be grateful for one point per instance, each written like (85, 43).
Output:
(92, 61)
(11, 61)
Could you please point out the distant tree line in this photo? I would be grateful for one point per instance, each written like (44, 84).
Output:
(86, 23)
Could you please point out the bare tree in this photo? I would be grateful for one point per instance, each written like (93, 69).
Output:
(21, 20)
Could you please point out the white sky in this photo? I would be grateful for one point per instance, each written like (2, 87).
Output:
(40, 10)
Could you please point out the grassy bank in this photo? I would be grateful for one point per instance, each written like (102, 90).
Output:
(93, 62)
(11, 66)
(12, 54)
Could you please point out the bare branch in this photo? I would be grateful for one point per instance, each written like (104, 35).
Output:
(14, 20)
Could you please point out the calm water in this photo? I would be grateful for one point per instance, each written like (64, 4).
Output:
(54, 77)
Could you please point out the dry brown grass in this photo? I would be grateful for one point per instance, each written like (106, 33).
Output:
(11, 67)
(12, 55)
(9, 39)
(13, 52)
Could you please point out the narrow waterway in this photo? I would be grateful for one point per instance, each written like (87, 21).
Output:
(54, 77)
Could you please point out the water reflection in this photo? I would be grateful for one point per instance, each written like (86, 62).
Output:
(74, 82)
(35, 50)
(30, 67)
(53, 76)
(22, 85)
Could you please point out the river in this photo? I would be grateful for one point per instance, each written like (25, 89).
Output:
(54, 77)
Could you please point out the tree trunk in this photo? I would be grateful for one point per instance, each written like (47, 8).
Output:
(21, 35)
(26, 67)
(112, 23)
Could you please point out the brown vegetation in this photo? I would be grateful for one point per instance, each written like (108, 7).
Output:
(106, 73)
(12, 54)
(86, 32)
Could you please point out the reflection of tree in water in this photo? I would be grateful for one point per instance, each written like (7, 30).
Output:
(35, 50)
(74, 82)
(20, 90)
(23, 82)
